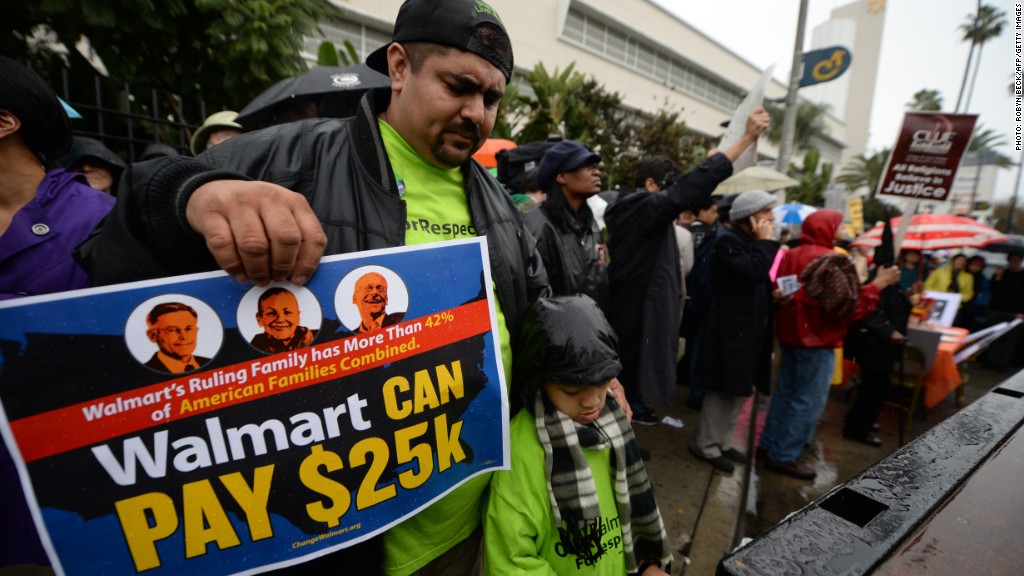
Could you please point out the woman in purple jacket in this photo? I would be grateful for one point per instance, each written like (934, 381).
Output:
(43, 216)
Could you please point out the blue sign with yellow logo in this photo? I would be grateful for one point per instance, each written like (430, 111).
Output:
(825, 64)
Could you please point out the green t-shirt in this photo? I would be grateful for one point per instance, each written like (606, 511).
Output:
(437, 210)
(519, 527)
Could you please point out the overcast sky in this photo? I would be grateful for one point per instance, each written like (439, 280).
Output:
(921, 48)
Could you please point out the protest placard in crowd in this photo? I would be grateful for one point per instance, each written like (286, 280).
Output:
(197, 424)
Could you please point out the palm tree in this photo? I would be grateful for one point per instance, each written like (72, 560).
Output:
(556, 95)
(926, 100)
(979, 28)
(985, 141)
(810, 124)
(865, 170)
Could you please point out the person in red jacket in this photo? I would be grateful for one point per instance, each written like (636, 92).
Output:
(810, 324)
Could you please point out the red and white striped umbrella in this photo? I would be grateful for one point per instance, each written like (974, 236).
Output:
(935, 232)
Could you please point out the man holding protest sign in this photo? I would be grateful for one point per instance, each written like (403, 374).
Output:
(397, 173)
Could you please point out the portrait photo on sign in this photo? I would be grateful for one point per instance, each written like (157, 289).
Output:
(944, 307)
(370, 298)
(173, 333)
(279, 317)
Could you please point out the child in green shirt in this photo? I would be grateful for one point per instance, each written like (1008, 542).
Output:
(577, 499)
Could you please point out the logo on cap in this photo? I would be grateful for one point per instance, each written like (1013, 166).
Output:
(345, 80)
(485, 8)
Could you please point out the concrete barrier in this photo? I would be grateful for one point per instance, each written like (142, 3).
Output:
(858, 525)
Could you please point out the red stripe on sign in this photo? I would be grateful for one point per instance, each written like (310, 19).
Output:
(99, 420)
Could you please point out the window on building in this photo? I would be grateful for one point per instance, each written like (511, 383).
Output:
(619, 44)
(363, 38)
(574, 25)
(616, 47)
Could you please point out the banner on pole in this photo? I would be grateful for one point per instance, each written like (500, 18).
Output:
(928, 151)
(197, 425)
(825, 64)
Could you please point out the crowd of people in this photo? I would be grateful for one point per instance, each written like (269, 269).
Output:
(589, 316)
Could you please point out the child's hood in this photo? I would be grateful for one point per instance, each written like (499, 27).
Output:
(565, 340)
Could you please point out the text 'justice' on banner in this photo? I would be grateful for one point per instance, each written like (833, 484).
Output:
(927, 155)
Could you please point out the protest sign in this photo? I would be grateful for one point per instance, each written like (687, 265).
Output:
(196, 424)
(928, 151)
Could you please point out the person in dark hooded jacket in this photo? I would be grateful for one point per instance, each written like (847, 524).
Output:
(102, 168)
(808, 334)
(577, 499)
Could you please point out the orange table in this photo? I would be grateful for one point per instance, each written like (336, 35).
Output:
(944, 377)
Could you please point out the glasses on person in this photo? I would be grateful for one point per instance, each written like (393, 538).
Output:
(590, 167)
(176, 331)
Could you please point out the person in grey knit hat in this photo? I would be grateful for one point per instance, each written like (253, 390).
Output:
(739, 327)
(750, 203)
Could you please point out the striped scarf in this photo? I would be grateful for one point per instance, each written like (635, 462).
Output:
(574, 499)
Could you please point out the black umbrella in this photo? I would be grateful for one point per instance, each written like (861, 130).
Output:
(335, 90)
(885, 253)
(1005, 248)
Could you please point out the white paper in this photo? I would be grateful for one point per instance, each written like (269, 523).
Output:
(968, 352)
(944, 310)
(738, 123)
(789, 284)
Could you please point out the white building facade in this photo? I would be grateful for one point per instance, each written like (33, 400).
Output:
(634, 47)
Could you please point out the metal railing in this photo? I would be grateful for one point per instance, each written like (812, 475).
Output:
(128, 118)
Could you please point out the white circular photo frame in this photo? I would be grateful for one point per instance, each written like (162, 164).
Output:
(208, 342)
(312, 315)
(348, 313)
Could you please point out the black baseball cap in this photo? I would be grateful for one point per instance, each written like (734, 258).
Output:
(445, 22)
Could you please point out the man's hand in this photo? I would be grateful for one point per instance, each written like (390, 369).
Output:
(654, 571)
(763, 228)
(257, 231)
(620, 396)
(886, 276)
(757, 122)
(897, 337)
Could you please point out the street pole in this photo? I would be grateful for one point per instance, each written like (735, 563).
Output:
(982, 157)
(789, 120)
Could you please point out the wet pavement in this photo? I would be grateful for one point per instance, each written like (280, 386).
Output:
(700, 506)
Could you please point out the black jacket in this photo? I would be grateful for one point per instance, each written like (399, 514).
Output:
(572, 250)
(737, 348)
(644, 273)
(341, 167)
(868, 341)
